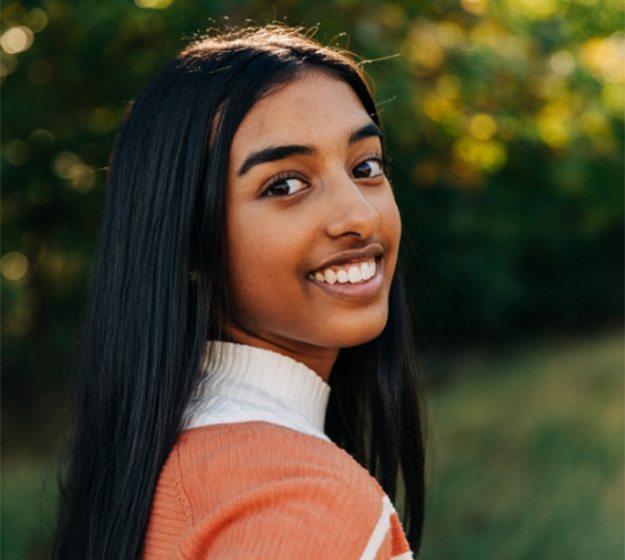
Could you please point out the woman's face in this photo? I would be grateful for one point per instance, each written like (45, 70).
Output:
(312, 225)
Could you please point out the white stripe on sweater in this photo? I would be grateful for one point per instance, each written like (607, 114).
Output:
(404, 556)
(380, 530)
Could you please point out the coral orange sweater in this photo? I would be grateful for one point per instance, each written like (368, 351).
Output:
(253, 476)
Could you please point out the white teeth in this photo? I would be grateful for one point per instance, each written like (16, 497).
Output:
(367, 269)
(364, 271)
(330, 276)
(372, 268)
(352, 274)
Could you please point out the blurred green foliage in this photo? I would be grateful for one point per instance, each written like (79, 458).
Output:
(504, 121)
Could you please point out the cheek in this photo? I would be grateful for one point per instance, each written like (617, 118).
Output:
(395, 220)
(262, 259)
(390, 223)
(259, 246)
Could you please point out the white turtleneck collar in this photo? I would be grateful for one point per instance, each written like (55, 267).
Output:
(246, 384)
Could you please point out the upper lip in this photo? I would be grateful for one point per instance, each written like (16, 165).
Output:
(372, 250)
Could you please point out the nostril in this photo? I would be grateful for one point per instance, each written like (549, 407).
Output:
(358, 219)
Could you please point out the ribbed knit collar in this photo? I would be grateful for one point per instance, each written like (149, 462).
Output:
(243, 383)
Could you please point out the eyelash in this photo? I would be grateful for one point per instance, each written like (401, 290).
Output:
(374, 157)
(287, 175)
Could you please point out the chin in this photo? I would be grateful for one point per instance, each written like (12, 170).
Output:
(359, 333)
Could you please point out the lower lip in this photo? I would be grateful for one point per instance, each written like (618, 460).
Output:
(356, 292)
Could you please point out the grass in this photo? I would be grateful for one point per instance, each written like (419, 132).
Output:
(526, 460)
(526, 454)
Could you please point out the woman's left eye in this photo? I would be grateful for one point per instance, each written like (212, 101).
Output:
(369, 168)
(285, 186)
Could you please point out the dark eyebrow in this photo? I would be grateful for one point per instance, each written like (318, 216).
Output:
(275, 153)
(366, 131)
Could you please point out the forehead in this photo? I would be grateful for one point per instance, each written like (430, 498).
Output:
(314, 109)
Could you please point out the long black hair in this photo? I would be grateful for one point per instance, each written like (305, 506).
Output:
(159, 291)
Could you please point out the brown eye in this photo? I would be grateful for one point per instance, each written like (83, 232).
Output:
(286, 187)
(369, 168)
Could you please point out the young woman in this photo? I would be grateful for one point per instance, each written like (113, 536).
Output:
(246, 350)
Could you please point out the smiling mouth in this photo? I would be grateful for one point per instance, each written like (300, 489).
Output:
(357, 272)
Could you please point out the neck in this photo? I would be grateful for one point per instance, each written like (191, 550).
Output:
(320, 360)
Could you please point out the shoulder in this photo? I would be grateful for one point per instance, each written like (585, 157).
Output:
(281, 492)
(229, 459)
(256, 444)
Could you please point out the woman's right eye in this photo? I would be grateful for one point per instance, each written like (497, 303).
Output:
(286, 187)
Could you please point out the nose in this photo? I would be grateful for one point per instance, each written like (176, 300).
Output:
(350, 212)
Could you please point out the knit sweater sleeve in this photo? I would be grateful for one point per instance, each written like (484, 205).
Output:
(261, 491)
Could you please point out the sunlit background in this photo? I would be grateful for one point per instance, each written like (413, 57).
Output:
(504, 121)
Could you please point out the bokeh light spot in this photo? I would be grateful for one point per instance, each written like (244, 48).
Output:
(393, 15)
(14, 266)
(423, 49)
(42, 137)
(562, 63)
(60, 267)
(36, 19)
(82, 177)
(154, 4)
(477, 7)
(613, 97)
(482, 126)
(605, 58)
(437, 108)
(553, 127)
(448, 34)
(69, 166)
(103, 119)
(534, 9)
(16, 39)
(486, 156)
(62, 164)
(17, 152)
